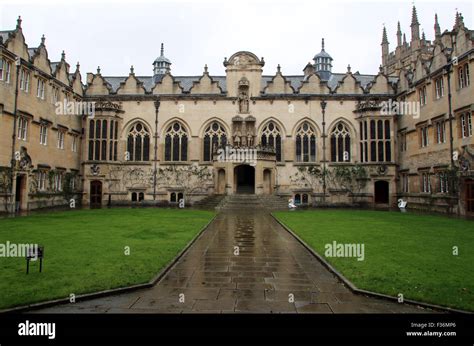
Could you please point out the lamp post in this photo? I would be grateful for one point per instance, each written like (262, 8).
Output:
(323, 108)
(448, 52)
(155, 156)
(448, 69)
(15, 111)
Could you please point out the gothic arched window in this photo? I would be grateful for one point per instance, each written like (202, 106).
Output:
(176, 143)
(305, 143)
(340, 143)
(214, 137)
(138, 143)
(271, 137)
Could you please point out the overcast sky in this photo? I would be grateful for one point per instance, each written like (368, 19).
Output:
(116, 34)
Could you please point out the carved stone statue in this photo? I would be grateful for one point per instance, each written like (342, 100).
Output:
(249, 139)
(237, 136)
(243, 102)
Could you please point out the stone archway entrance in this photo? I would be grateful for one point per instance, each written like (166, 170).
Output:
(244, 179)
(381, 192)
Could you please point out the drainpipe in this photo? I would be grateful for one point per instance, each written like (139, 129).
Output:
(15, 110)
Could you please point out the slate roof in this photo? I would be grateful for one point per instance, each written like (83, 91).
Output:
(187, 82)
(5, 34)
(31, 52)
(54, 65)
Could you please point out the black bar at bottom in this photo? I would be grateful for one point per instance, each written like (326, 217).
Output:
(244, 329)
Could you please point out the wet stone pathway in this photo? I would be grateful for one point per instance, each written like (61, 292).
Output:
(270, 269)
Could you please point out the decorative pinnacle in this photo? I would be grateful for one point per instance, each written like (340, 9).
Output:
(18, 22)
(43, 39)
(384, 36)
(205, 68)
(98, 69)
(436, 26)
(348, 68)
(414, 17)
(132, 70)
(63, 56)
(278, 68)
(322, 43)
(162, 49)
(78, 66)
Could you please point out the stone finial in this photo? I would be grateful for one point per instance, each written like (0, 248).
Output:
(63, 56)
(43, 39)
(278, 68)
(322, 43)
(205, 69)
(18, 22)
(78, 66)
(132, 70)
(98, 69)
(162, 52)
(348, 68)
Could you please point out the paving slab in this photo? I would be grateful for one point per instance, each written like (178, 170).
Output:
(271, 266)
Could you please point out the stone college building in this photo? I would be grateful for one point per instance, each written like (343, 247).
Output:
(319, 138)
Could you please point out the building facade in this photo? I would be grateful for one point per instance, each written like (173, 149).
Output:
(319, 137)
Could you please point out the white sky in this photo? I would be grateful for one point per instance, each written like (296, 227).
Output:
(116, 34)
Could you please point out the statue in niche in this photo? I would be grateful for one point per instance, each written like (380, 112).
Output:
(244, 141)
(249, 138)
(237, 136)
(243, 102)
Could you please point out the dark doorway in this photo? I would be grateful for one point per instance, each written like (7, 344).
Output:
(20, 179)
(244, 177)
(381, 192)
(470, 196)
(96, 194)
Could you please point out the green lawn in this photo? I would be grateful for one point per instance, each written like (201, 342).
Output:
(85, 250)
(404, 253)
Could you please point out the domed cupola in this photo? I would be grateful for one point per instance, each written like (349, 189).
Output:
(323, 62)
(161, 65)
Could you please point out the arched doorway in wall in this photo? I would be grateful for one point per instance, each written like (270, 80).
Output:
(220, 182)
(267, 182)
(95, 193)
(244, 179)
(381, 192)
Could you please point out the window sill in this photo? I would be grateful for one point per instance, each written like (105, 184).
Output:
(313, 163)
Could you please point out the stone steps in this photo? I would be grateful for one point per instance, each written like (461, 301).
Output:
(247, 201)
(210, 202)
